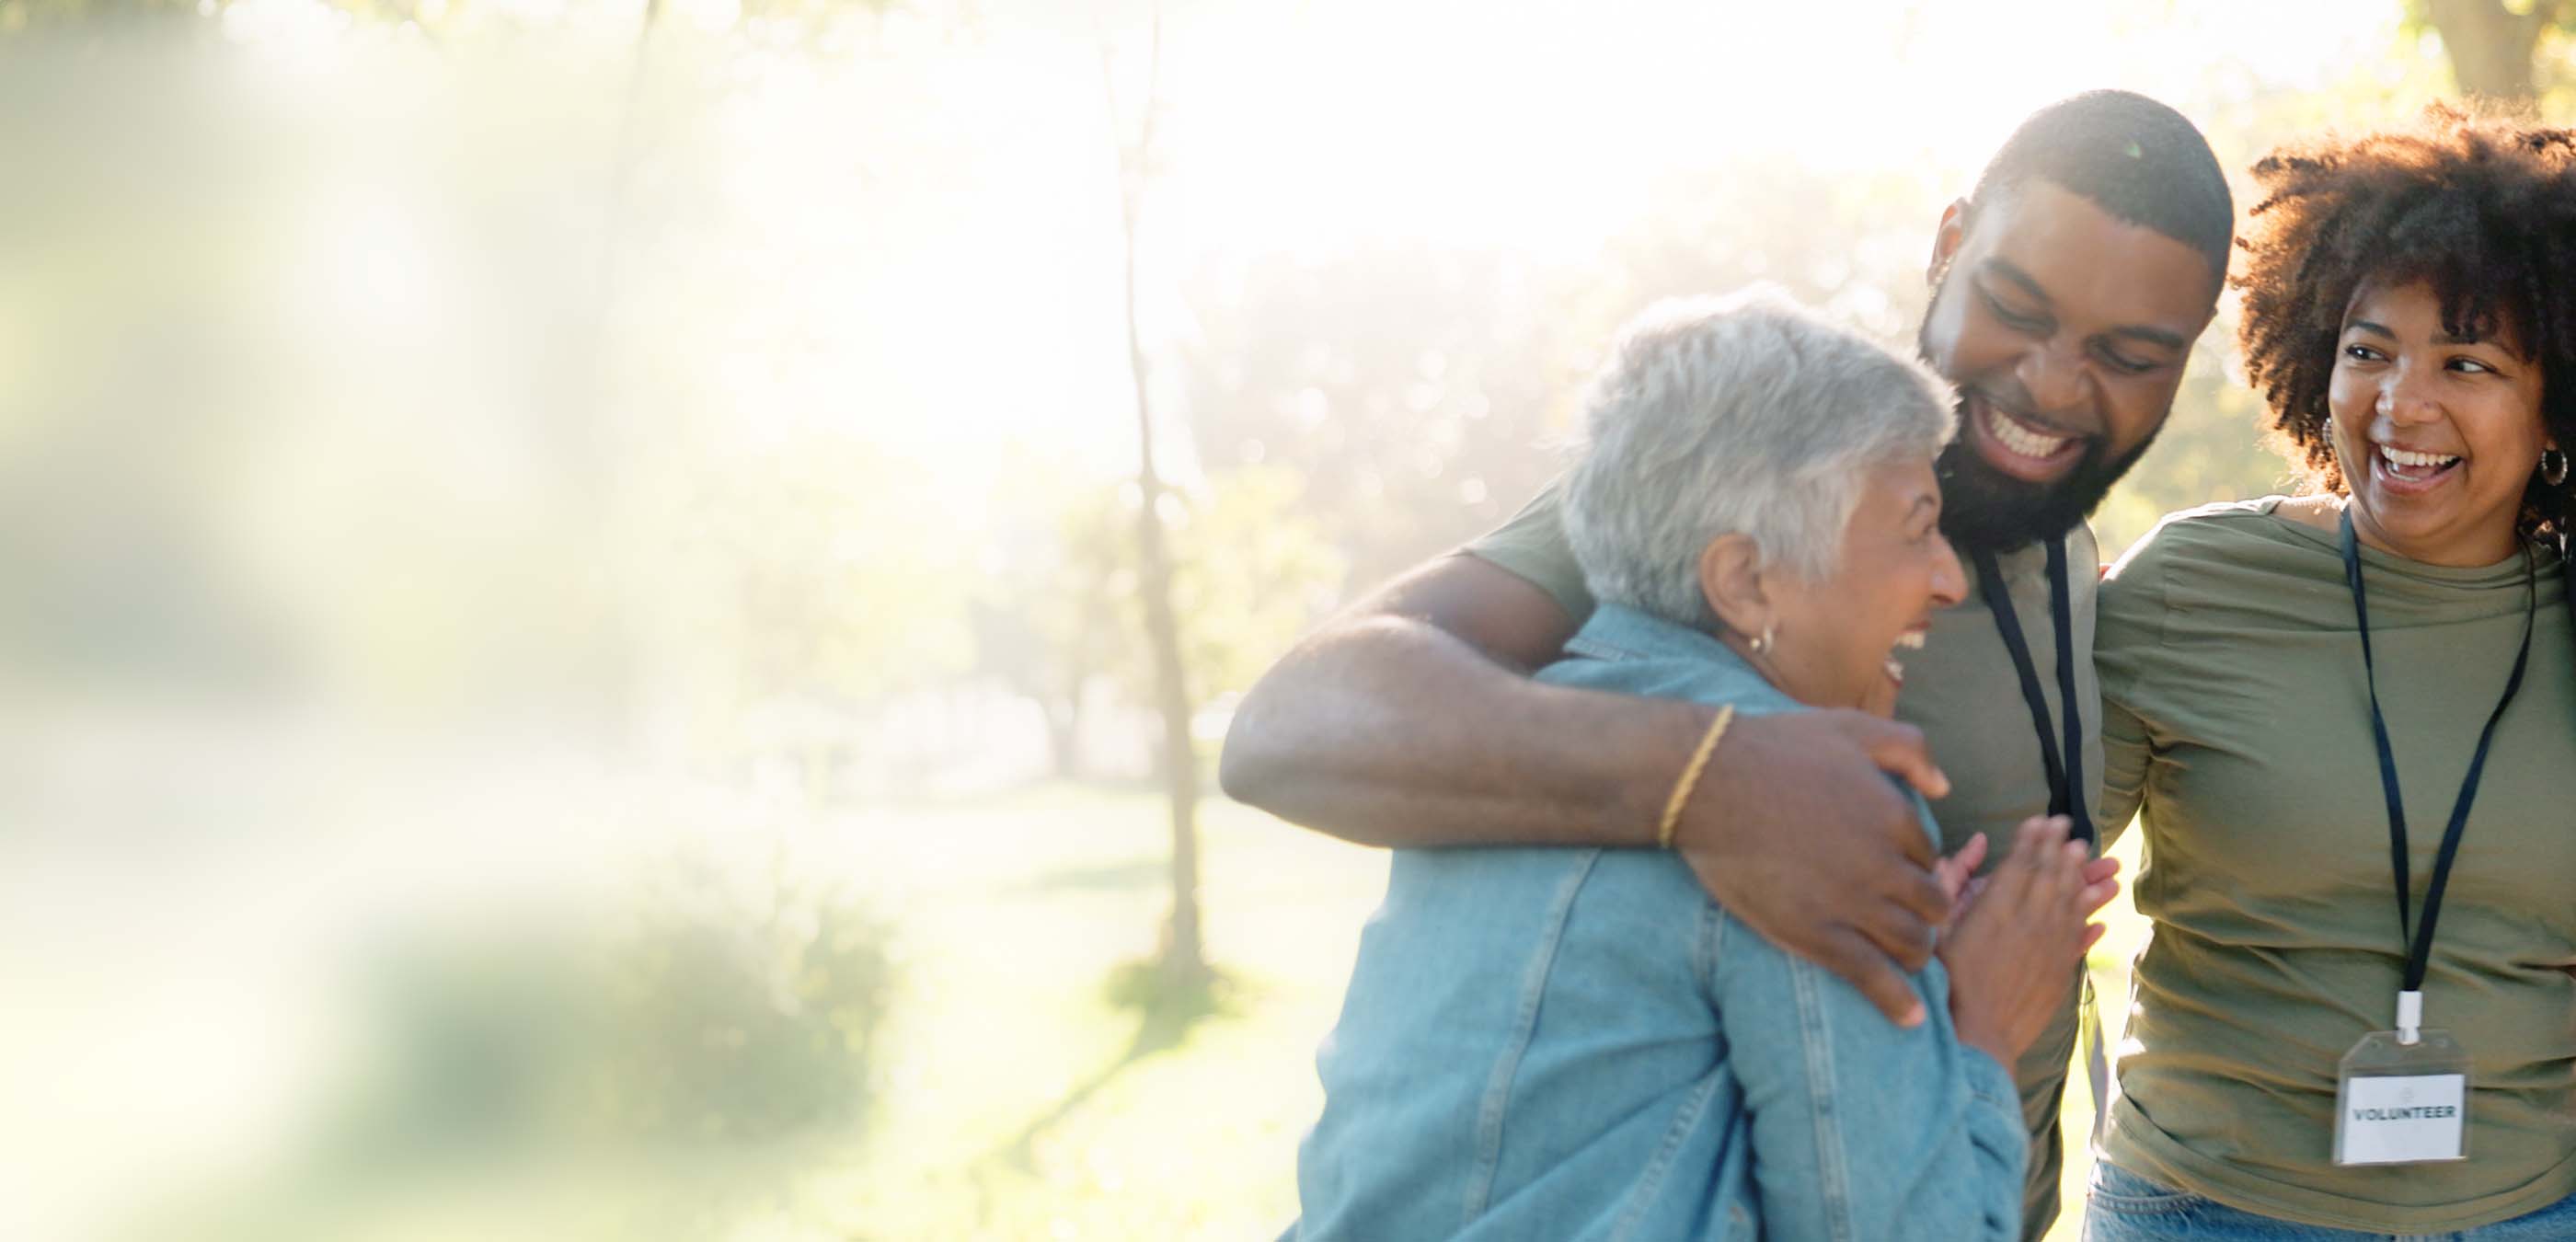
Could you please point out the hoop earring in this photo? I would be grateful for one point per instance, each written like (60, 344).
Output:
(1762, 641)
(2553, 467)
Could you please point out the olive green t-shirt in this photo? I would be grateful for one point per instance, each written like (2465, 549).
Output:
(1962, 691)
(2236, 713)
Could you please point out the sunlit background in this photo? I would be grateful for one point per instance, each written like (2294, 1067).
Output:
(571, 649)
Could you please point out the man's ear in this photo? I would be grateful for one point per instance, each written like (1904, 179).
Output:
(1946, 240)
(1730, 579)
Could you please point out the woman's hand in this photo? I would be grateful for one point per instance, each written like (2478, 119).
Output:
(2009, 949)
(1957, 874)
(1958, 878)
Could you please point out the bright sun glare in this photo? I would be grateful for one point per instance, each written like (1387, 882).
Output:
(1536, 128)
(470, 332)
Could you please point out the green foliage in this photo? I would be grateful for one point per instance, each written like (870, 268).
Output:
(743, 1013)
(1423, 388)
(2420, 17)
(713, 1009)
(1047, 617)
(1410, 384)
(1854, 243)
(1250, 572)
(2510, 48)
(813, 562)
(2213, 448)
(1169, 1003)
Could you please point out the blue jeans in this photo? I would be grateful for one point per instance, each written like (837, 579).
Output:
(2121, 1206)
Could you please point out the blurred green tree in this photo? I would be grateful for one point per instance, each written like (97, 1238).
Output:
(785, 558)
(1184, 961)
(1048, 618)
(1412, 386)
(1252, 571)
(674, 1053)
(1425, 391)
(777, 590)
(2495, 46)
(2213, 447)
(1062, 608)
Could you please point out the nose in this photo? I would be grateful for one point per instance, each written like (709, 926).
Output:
(2052, 372)
(1949, 579)
(2406, 397)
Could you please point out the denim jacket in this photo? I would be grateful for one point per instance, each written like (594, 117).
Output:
(1578, 1044)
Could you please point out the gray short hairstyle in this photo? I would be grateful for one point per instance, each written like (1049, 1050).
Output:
(1747, 415)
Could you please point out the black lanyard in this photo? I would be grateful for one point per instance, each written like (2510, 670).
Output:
(2419, 939)
(2065, 776)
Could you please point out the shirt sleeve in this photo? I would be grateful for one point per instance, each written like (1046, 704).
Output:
(2128, 630)
(1533, 546)
(1863, 1130)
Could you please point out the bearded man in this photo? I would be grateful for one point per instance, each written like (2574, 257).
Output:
(2068, 287)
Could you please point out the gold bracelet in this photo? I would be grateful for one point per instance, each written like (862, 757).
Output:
(1690, 777)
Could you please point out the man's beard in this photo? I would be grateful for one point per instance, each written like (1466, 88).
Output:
(1984, 509)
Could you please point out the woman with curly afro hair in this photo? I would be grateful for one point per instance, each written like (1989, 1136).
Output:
(2348, 722)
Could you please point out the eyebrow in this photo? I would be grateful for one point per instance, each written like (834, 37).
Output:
(1995, 265)
(2441, 339)
(2174, 341)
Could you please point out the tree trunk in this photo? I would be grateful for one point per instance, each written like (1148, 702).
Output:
(1064, 733)
(2491, 47)
(1184, 958)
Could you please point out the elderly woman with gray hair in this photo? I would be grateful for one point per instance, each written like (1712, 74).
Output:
(1548, 1043)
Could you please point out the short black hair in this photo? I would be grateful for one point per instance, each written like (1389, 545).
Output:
(2138, 160)
(2480, 208)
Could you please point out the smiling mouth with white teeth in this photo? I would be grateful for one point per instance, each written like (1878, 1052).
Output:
(2018, 446)
(2021, 437)
(1910, 640)
(2408, 466)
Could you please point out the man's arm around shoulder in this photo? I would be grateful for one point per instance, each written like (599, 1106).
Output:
(1411, 721)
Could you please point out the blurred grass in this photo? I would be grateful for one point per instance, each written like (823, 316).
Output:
(1025, 1101)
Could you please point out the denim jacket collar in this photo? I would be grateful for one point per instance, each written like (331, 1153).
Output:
(1618, 632)
(1638, 652)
